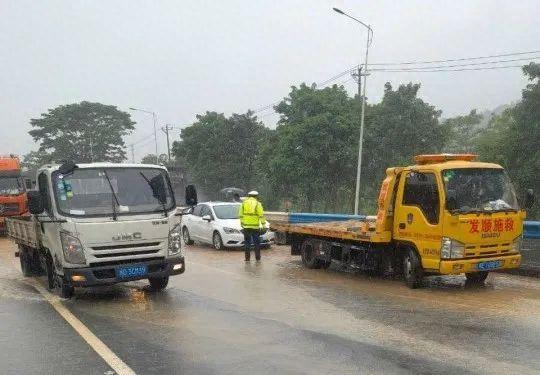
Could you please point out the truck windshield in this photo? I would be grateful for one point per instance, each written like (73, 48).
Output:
(11, 186)
(478, 190)
(227, 211)
(86, 192)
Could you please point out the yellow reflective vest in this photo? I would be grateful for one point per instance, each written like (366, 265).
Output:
(251, 214)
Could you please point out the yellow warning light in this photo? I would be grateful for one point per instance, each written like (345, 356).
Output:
(440, 158)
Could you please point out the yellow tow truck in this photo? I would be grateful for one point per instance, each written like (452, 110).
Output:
(447, 214)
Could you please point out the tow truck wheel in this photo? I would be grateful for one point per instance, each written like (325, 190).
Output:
(308, 255)
(477, 277)
(158, 283)
(412, 269)
(186, 236)
(49, 272)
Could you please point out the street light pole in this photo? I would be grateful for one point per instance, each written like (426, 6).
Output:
(362, 116)
(154, 118)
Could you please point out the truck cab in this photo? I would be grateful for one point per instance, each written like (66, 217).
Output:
(451, 214)
(13, 200)
(104, 223)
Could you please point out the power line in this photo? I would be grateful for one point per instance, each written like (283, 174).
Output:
(461, 65)
(460, 59)
(444, 70)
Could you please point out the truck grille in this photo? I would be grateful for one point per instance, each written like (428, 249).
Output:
(9, 208)
(126, 250)
(487, 250)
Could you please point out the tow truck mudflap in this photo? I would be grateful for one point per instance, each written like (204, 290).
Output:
(116, 273)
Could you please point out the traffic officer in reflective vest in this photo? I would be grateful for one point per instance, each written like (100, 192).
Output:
(253, 222)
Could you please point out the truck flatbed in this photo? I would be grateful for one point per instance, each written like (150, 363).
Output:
(352, 230)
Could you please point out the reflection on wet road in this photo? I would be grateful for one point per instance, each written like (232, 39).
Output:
(224, 316)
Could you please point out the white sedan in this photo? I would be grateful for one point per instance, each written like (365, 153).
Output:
(217, 223)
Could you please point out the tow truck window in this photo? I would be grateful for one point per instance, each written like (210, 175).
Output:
(421, 190)
(44, 191)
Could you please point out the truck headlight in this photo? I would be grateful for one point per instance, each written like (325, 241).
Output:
(451, 249)
(230, 230)
(72, 248)
(516, 244)
(175, 241)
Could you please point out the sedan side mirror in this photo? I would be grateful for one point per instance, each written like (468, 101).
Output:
(35, 203)
(529, 199)
(207, 218)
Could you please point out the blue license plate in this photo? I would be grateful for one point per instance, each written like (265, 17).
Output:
(491, 265)
(131, 271)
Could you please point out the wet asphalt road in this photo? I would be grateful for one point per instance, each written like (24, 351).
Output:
(226, 317)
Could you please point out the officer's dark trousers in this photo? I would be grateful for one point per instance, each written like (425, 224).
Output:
(252, 236)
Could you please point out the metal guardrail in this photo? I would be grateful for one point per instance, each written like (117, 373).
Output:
(531, 229)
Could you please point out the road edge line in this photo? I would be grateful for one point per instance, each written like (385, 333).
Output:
(111, 359)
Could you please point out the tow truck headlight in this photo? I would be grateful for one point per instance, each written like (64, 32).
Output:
(451, 249)
(516, 244)
(72, 248)
(230, 230)
(175, 241)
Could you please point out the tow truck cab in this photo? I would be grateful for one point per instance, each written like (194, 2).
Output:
(459, 215)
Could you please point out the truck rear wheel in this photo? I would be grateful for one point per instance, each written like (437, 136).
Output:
(412, 269)
(308, 255)
(158, 283)
(477, 277)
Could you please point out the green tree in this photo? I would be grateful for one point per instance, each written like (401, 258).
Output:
(463, 132)
(220, 152)
(151, 159)
(35, 159)
(401, 126)
(83, 132)
(310, 158)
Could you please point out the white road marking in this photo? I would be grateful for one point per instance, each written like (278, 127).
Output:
(119, 366)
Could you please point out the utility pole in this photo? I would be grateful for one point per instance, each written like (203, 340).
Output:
(166, 131)
(132, 147)
(358, 76)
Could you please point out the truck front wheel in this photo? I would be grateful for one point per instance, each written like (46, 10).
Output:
(412, 269)
(26, 262)
(158, 283)
(477, 277)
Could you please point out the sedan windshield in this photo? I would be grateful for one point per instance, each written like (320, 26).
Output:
(11, 186)
(478, 189)
(87, 192)
(227, 211)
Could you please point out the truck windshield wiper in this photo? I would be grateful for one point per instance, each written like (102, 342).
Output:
(115, 198)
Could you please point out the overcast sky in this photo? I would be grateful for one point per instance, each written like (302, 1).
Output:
(182, 58)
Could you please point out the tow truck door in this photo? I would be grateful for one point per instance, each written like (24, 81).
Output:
(417, 217)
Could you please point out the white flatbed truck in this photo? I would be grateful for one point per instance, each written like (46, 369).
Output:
(100, 224)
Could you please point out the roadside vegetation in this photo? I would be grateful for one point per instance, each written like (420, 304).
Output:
(308, 162)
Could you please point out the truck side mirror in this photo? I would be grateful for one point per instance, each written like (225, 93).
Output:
(529, 200)
(207, 218)
(159, 192)
(191, 195)
(35, 202)
(28, 183)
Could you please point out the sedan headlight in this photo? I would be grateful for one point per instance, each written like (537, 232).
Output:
(516, 244)
(451, 249)
(72, 248)
(230, 230)
(175, 241)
